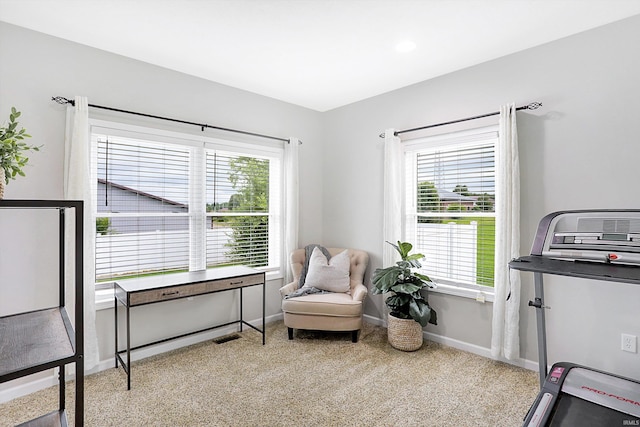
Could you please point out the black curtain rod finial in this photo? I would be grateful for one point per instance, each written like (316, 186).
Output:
(533, 106)
(62, 100)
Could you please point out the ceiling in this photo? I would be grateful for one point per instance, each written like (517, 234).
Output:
(319, 54)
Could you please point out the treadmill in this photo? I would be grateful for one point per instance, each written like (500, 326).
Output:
(588, 244)
(575, 396)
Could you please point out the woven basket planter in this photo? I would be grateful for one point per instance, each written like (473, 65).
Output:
(404, 334)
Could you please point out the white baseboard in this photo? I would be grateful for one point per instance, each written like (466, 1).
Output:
(374, 320)
(182, 342)
(464, 346)
(28, 388)
(36, 385)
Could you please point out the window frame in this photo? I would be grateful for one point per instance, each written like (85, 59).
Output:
(410, 148)
(202, 145)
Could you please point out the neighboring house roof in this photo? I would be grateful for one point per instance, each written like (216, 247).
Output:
(142, 193)
(454, 197)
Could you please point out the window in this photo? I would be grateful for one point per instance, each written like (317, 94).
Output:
(168, 202)
(449, 212)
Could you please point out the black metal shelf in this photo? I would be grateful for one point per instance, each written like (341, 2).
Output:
(34, 342)
(43, 339)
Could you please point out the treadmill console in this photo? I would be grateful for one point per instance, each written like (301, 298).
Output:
(608, 236)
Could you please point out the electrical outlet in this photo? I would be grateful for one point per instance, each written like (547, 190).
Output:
(629, 343)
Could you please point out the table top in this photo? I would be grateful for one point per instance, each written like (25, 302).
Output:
(174, 279)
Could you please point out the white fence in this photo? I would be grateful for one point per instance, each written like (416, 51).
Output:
(450, 250)
(156, 250)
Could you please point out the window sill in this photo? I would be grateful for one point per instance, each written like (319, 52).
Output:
(104, 297)
(476, 294)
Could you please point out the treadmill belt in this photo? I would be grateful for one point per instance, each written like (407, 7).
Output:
(571, 411)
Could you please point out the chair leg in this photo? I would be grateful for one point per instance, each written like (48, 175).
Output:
(290, 331)
(354, 336)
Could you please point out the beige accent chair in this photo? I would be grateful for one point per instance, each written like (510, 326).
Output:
(329, 311)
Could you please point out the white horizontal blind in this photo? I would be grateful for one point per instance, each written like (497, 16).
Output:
(238, 209)
(165, 207)
(142, 207)
(450, 215)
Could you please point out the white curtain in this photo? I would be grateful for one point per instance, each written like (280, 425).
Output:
(291, 197)
(392, 220)
(505, 340)
(77, 186)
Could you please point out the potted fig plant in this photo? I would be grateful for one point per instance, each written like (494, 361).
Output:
(12, 150)
(409, 310)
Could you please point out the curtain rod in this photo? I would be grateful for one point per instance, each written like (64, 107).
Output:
(531, 106)
(62, 100)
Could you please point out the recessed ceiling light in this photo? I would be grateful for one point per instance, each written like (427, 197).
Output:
(405, 46)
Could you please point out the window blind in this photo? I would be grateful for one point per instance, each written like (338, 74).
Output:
(142, 220)
(164, 207)
(238, 209)
(451, 208)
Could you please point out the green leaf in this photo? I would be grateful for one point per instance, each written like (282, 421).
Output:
(420, 312)
(433, 319)
(397, 302)
(405, 248)
(405, 288)
(415, 256)
(384, 278)
(426, 282)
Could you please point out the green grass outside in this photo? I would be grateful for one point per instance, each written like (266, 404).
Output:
(156, 273)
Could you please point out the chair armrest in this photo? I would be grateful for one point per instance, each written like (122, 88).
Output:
(288, 288)
(359, 292)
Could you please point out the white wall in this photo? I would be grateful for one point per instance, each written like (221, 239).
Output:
(579, 151)
(43, 66)
(588, 84)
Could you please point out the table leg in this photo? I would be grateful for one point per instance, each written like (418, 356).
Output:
(128, 351)
(115, 318)
(241, 318)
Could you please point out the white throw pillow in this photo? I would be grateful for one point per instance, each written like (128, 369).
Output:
(332, 275)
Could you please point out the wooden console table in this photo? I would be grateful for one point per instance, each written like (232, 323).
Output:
(168, 287)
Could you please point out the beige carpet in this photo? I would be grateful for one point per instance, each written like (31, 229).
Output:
(318, 379)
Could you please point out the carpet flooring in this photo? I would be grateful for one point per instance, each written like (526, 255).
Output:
(318, 379)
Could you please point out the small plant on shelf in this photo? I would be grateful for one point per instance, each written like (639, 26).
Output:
(13, 149)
